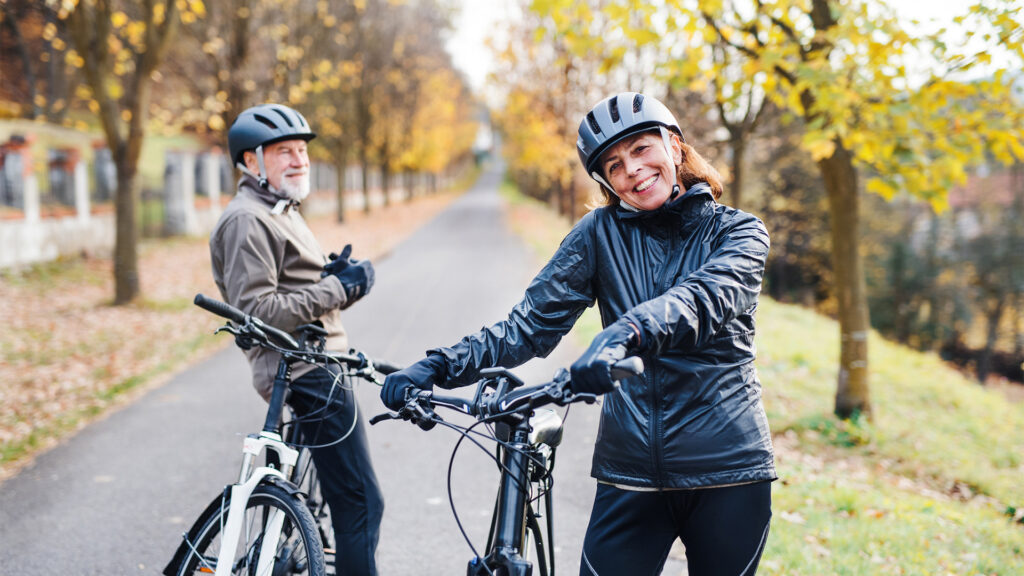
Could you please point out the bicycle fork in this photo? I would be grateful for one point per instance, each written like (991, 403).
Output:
(248, 480)
(510, 521)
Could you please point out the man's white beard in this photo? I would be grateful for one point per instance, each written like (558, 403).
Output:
(296, 191)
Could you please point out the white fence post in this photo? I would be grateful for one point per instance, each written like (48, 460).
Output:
(179, 194)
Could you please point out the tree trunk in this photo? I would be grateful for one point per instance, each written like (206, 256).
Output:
(852, 394)
(339, 176)
(385, 183)
(56, 78)
(10, 21)
(739, 151)
(238, 54)
(993, 316)
(126, 266)
(365, 167)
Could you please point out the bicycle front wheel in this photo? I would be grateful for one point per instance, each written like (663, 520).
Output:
(299, 550)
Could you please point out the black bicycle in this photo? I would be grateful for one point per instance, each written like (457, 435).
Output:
(273, 520)
(526, 436)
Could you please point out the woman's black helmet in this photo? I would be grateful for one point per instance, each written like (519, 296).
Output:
(615, 118)
(265, 124)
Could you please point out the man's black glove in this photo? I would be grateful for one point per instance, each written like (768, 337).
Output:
(592, 372)
(356, 276)
(423, 374)
(338, 262)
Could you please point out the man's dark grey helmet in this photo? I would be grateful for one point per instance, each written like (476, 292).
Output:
(265, 124)
(616, 118)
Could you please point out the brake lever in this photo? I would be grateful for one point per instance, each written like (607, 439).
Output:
(229, 327)
(383, 417)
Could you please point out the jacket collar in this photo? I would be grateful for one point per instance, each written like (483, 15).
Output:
(687, 208)
(274, 203)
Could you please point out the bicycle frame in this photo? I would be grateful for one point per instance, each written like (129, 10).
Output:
(527, 430)
(249, 479)
(250, 331)
(269, 439)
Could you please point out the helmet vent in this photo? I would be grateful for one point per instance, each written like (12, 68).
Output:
(613, 109)
(284, 117)
(593, 123)
(266, 121)
(638, 103)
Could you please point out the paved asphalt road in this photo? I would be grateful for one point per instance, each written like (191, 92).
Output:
(115, 498)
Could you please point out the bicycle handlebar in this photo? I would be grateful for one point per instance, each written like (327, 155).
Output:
(281, 340)
(418, 406)
(225, 310)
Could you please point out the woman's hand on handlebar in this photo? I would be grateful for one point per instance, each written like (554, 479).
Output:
(421, 375)
(592, 373)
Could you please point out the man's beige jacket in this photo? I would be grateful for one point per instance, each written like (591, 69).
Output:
(269, 265)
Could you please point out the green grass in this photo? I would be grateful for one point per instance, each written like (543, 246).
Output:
(928, 486)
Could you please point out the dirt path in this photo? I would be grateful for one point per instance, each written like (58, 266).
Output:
(68, 357)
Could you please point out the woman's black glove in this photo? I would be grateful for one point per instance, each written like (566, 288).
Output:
(356, 276)
(592, 373)
(423, 374)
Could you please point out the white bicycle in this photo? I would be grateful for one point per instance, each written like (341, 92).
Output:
(272, 521)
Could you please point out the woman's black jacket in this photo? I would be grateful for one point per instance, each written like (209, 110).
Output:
(688, 275)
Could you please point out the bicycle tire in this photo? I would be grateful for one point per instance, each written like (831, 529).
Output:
(299, 552)
(318, 508)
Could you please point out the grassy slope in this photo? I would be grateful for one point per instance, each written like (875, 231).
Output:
(922, 489)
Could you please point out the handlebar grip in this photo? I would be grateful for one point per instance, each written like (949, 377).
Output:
(228, 311)
(385, 367)
(283, 338)
(219, 308)
(632, 366)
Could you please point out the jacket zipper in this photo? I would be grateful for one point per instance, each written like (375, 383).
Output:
(656, 408)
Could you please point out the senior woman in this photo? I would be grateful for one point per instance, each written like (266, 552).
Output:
(683, 451)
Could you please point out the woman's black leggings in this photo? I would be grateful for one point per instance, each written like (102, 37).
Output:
(724, 530)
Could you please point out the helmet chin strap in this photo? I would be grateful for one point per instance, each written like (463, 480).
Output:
(261, 178)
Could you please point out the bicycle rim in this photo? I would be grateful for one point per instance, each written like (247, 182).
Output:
(299, 551)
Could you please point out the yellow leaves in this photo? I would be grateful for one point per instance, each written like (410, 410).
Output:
(49, 31)
(197, 7)
(882, 187)
(819, 144)
(323, 67)
(72, 58)
(216, 123)
(189, 10)
(118, 19)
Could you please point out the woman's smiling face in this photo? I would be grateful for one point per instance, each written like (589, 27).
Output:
(640, 170)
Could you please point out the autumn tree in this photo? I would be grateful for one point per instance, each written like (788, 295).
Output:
(551, 80)
(37, 79)
(870, 103)
(120, 46)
